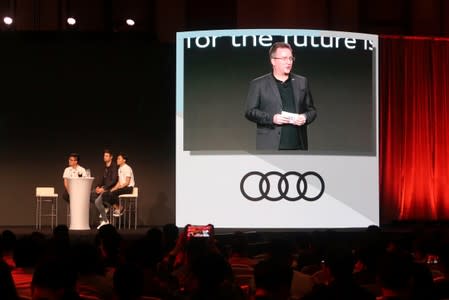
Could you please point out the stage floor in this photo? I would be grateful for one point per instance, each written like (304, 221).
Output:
(255, 234)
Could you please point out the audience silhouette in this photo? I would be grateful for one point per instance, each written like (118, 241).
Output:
(167, 264)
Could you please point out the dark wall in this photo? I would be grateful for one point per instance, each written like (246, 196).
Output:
(82, 92)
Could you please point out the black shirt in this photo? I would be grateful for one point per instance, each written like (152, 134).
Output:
(289, 133)
(110, 177)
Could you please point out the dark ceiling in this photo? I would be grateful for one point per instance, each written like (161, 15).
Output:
(162, 18)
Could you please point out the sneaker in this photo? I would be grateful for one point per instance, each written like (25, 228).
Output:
(104, 222)
(119, 212)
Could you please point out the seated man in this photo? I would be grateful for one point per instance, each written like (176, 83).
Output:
(74, 170)
(109, 180)
(124, 185)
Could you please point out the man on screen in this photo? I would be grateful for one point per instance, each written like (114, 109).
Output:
(281, 104)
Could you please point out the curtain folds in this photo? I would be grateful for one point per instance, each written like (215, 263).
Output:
(414, 128)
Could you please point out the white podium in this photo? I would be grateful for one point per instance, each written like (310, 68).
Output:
(79, 191)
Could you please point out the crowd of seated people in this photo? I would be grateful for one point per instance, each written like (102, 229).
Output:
(165, 263)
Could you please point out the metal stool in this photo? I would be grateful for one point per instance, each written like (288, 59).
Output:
(129, 203)
(46, 196)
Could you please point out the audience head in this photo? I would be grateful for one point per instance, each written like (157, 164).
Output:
(211, 270)
(61, 233)
(108, 240)
(8, 240)
(53, 279)
(340, 263)
(7, 287)
(281, 250)
(274, 274)
(239, 244)
(170, 235)
(196, 248)
(147, 250)
(154, 235)
(128, 282)
(87, 260)
(23, 256)
(373, 228)
(395, 271)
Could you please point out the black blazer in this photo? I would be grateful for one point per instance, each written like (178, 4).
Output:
(264, 101)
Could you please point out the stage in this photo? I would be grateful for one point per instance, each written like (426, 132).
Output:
(397, 229)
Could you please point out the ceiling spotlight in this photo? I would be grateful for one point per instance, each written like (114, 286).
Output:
(7, 20)
(130, 22)
(71, 21)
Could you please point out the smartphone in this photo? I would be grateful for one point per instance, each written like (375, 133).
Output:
(199, 231)
(432, 259)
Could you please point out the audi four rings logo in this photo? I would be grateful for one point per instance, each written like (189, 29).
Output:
(283, 186)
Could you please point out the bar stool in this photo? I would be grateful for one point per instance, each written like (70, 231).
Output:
(46, 206)
(129, 203)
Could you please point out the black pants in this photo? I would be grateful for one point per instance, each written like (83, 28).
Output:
(112, 197)
(66, 196)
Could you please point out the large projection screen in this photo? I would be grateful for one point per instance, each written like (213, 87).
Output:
(222, 179)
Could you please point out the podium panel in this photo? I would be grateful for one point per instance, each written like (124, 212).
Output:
(79, 191)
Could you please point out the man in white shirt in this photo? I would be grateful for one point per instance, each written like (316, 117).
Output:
(74, 170)
(125, 185)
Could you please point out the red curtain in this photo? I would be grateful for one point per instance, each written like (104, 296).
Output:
(414, 128)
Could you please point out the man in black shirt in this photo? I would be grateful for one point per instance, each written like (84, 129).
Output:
(109, 179)
(281, 104)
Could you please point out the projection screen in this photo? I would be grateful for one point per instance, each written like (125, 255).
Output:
(223, 179)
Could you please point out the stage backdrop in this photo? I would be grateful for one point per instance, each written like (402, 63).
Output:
(68, 92)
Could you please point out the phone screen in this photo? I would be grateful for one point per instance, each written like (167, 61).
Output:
(198, 231)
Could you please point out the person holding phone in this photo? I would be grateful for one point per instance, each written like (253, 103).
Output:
(281, 104)
(74, 170)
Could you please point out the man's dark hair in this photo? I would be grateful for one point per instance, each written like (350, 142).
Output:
(278, 45)
(108, 151)
(125, 157)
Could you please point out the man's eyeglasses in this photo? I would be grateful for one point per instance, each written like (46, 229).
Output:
(285, 59)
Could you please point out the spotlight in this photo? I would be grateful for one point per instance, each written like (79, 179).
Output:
(7, 20)
(130, 22)
(71, 21)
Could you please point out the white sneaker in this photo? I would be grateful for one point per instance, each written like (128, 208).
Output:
(118, 212)
(103, 222)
